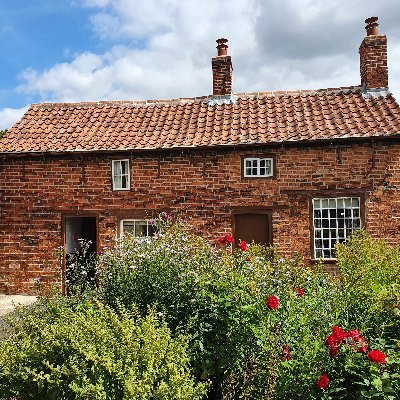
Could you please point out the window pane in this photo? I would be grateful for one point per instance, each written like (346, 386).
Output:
(117, 168)
(128, 227)
(117, 182)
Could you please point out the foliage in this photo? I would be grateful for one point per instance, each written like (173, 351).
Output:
(79, 349)
(249, 348)
(2, 133)
(257, 326)
(81, 269)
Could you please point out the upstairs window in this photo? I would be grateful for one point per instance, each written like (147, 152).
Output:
(256, 167)
(138, 227)
(120, 174)
(334, 221)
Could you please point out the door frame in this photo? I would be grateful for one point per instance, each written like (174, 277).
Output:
(64, 216)
(253, 210)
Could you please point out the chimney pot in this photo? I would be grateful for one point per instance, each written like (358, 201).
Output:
(222, 47)
(372, 26)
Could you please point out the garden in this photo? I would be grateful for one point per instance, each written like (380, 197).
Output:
(176, 317)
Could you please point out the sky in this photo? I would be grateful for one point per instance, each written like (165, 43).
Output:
(91, 50)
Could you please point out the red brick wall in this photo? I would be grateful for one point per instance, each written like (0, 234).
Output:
(373, 62)
(222, 75)
(36, 192)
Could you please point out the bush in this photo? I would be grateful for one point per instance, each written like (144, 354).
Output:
(220, 300)
(80, 349)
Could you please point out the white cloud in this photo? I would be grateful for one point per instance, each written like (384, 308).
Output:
(163, 48)
(9, 116)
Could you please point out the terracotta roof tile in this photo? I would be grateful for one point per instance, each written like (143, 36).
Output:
(257, 118)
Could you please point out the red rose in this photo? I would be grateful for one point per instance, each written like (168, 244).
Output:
(222, 240)
(323, 382)
(332, 341)
(286, 354)
(377, 356)
(248, 259)
(243, 245)
(300, 291)
(227, 239)
(273, 302)
(339, 333)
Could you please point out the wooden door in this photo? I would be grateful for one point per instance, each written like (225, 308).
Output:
(252, 226)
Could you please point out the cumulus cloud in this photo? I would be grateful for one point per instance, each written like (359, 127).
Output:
(9, 116)
(163, 48)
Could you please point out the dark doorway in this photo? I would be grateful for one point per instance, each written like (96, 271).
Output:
(78, 228)
(252, 226)
(80, 235)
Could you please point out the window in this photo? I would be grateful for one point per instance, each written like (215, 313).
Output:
(334, 221)
(257, 167)
(138, 227)
(120, 175)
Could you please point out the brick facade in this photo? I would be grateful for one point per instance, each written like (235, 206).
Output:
(204, 186)
(373, 62)
(222, 75)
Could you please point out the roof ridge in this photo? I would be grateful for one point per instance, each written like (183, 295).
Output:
(186, 100)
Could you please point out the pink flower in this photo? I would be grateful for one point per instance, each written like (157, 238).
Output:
(273, 302)
(323, 382)
(243, 245)
(377, 356)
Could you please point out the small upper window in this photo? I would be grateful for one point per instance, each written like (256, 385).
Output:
(120, 174)
(138, 227)
(258, 167)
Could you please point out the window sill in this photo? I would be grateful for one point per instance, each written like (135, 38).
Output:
(323, 260)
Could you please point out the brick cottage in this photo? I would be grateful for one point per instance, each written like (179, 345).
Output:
(301, 170)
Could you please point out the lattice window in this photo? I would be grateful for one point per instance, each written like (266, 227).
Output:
(334, 220)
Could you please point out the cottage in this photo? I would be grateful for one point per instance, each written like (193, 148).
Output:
(301, 170)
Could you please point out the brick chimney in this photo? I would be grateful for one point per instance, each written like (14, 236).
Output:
(222, 70)
(373, 57)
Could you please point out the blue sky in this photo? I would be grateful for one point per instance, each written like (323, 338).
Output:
(81, 50)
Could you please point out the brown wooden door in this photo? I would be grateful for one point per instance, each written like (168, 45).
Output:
(252, 227)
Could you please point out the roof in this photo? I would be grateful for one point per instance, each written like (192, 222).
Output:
(256, 118)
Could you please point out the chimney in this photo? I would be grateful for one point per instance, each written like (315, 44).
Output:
(222, 70)
(373, 57)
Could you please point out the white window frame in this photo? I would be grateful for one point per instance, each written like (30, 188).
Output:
(258, 166)
(134, 221)
(329, 230)
(127, 175)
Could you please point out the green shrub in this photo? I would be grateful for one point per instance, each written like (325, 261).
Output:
(80, 349)
(370, 278)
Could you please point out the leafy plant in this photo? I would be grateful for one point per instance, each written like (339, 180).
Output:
(79, 349)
